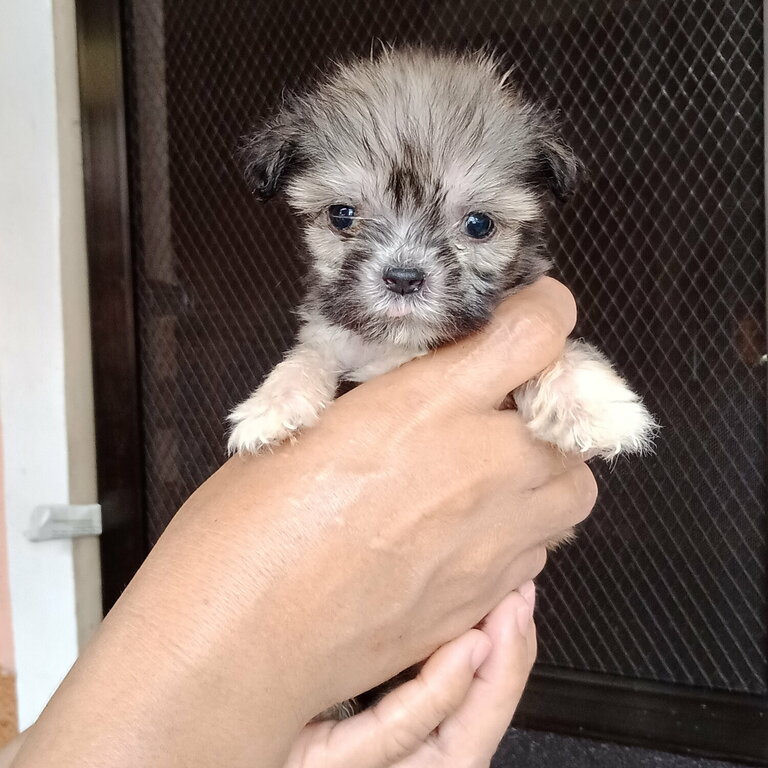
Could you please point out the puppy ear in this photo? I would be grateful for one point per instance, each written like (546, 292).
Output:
(558, 168)
(268, 155)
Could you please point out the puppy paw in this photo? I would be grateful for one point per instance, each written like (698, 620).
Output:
(340, 711)
(581, 405)
(291, 398)
(267, 419)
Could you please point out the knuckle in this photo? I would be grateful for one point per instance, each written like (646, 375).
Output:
(403, 736)
(536, 327)
(548, 317)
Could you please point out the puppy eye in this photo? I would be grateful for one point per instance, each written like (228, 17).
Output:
(478, 225)
(341, 216)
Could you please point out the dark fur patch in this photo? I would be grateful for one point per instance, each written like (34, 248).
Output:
(555, 168)
(432, 213)
(532, 261)
(468, 318)
(446, 256)
(404, 183)
(271, 154)
(338, 301)
(487, 278)
(532, 235)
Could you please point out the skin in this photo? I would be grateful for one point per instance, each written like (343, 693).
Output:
(453, 715)
(293, 580)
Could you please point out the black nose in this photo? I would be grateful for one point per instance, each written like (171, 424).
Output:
(403, 280)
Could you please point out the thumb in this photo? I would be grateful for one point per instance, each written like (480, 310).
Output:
(406, 717)
(526, 334)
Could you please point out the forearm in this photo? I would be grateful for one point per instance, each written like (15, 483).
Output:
(221, 646)
(297, 579)
(10, 750)
(149, 672)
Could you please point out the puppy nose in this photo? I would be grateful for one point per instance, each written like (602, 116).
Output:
(403, 280)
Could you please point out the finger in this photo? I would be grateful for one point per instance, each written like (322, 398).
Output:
(404, 719)
(544, 513)
(525, 567)
(565, 501)
(481, 720)
(558, 491)
(515, 446)
(526, 334)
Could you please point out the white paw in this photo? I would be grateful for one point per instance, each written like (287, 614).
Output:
(268, 418)
(582, 405)
(292, 397)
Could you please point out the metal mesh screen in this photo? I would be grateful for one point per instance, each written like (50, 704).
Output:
(664, 249)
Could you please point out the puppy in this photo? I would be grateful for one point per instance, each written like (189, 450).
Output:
(422, 180)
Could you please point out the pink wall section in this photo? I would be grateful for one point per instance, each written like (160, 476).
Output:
(6, 638)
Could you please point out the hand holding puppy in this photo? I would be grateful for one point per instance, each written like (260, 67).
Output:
(296, 579)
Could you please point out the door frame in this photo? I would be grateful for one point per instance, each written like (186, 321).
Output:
(624, 710)
(110, 266)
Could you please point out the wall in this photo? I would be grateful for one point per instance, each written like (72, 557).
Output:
(45, 373)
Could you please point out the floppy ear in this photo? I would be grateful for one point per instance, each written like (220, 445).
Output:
(558, 168)
(268, 155)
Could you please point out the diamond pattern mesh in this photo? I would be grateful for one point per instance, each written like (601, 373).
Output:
(664, 249)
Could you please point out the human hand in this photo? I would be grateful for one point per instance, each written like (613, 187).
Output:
(452, 715)
(437, 503)
(292, 581)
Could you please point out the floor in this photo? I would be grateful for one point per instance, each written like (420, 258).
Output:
(533, 749)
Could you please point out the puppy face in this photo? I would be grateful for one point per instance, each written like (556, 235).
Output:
(421, 179)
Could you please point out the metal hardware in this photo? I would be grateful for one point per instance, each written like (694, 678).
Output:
(64, 521)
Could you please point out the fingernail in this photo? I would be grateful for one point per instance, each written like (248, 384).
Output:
(528, 591)
(525, 614)
(524, 619)
(480, 653)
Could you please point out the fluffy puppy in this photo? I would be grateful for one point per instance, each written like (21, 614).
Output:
(422, 180)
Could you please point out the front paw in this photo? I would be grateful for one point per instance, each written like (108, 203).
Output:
(582, 405)
(265, 420)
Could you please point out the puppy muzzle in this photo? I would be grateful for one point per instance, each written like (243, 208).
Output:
(403, 280)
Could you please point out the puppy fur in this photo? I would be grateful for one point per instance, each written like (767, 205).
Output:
(414, 141)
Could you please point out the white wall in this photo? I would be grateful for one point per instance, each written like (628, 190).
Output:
(7, 662)
(45, 374)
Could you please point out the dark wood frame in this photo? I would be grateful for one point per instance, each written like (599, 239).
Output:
(115, 371)
(691, 721)
(652, 715)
